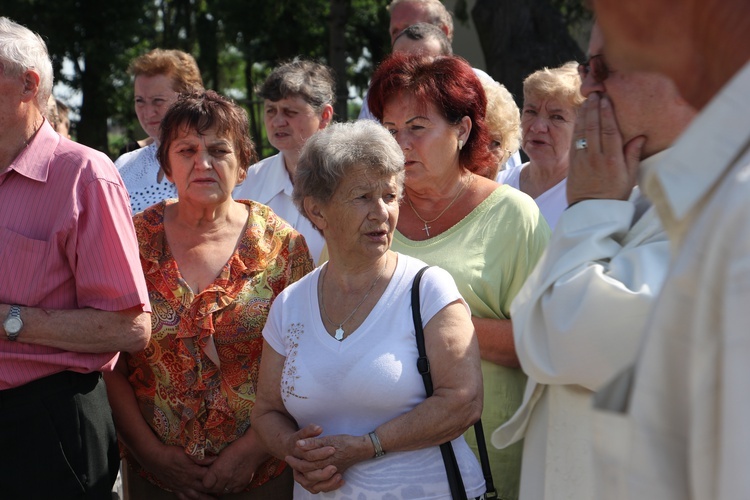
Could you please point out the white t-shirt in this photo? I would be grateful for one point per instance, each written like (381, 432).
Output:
(268, 183)
(551, 203)
(139, 170)
(353, 386)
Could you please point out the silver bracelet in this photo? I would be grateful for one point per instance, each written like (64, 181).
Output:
(376, 444)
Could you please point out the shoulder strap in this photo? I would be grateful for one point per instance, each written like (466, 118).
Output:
(449, 458)
(423, 364)
(456, 484)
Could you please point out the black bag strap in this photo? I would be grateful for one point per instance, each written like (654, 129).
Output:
(423, 364)
(458, 492)
(455, 482)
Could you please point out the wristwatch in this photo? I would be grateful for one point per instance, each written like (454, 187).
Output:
(13, 323)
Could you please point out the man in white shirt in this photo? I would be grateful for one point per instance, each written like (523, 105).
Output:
(579, 318)
(676, 426)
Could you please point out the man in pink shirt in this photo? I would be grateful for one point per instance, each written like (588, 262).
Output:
(72, 293)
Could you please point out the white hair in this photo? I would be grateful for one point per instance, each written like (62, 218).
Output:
(23, 50)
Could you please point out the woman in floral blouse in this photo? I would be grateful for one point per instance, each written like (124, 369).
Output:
(213, 266)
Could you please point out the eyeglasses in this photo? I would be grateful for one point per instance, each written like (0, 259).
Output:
(597, 67)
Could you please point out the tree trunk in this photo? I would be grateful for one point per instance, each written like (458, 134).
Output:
(519, 37)
(92, 129)
(337, 55)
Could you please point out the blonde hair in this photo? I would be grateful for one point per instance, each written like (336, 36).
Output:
(503, 117)
(176, 64)
(563, 83)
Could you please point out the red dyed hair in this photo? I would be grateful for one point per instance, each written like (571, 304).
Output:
(449, 83)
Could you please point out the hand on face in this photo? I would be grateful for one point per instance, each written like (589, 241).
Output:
(604, 169)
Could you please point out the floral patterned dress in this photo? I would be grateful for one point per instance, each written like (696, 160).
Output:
(195, 381)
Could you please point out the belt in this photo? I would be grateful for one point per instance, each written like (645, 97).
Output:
(65, 383)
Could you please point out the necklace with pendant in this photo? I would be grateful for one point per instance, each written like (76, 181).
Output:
(426, 228)
(340, 330)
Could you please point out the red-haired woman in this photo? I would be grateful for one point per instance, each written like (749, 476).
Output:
(487, 236)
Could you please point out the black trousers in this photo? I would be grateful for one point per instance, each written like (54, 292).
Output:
(57, 439)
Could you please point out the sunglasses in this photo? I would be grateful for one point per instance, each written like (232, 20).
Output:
(597, 67)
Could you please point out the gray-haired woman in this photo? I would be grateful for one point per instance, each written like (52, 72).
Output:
(298, 98)
(340, 397)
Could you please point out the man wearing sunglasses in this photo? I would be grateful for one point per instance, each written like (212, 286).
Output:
(579, 318)
(678, 428)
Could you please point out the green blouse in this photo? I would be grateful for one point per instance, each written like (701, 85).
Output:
(489, 254)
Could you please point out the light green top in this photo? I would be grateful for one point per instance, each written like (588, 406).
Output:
(489, 254)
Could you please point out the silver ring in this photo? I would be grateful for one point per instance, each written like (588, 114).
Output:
(581, 143)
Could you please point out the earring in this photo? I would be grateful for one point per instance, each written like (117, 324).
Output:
(460, 144)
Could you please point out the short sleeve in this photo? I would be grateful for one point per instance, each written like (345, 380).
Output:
(108, 270)
(436, 290)
(272, 330)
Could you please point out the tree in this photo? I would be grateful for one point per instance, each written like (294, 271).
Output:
(519, 37)
(337, 52)
(237, 42)
(84, 33)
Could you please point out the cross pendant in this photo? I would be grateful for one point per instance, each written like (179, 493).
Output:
(426, 229)
(339, 334)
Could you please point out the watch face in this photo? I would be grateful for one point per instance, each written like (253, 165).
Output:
(13, 325)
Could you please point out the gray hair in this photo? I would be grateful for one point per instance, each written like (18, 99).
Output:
(427, 32)
(329, 155)
(312, 81)
(21, 50)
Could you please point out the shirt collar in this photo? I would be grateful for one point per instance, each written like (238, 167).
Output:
(278, 180)
(706, 149)
(34, 160)
(648, 164)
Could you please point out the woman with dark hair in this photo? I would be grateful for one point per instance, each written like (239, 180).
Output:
(487, 236)
(298, 101)
(213, 266)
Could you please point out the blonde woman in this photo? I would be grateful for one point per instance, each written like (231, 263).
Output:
(503, 123)
(551, 98)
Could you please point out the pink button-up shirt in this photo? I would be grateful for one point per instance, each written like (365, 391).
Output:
(66, 242)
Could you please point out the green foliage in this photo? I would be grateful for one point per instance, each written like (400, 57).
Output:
(573, 11)
(236, 44)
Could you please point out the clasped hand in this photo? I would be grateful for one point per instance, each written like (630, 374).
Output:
(191, 478)
(319, 462)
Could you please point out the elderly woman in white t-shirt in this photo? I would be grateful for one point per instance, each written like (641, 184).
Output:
(551, 98)
(339, 396)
